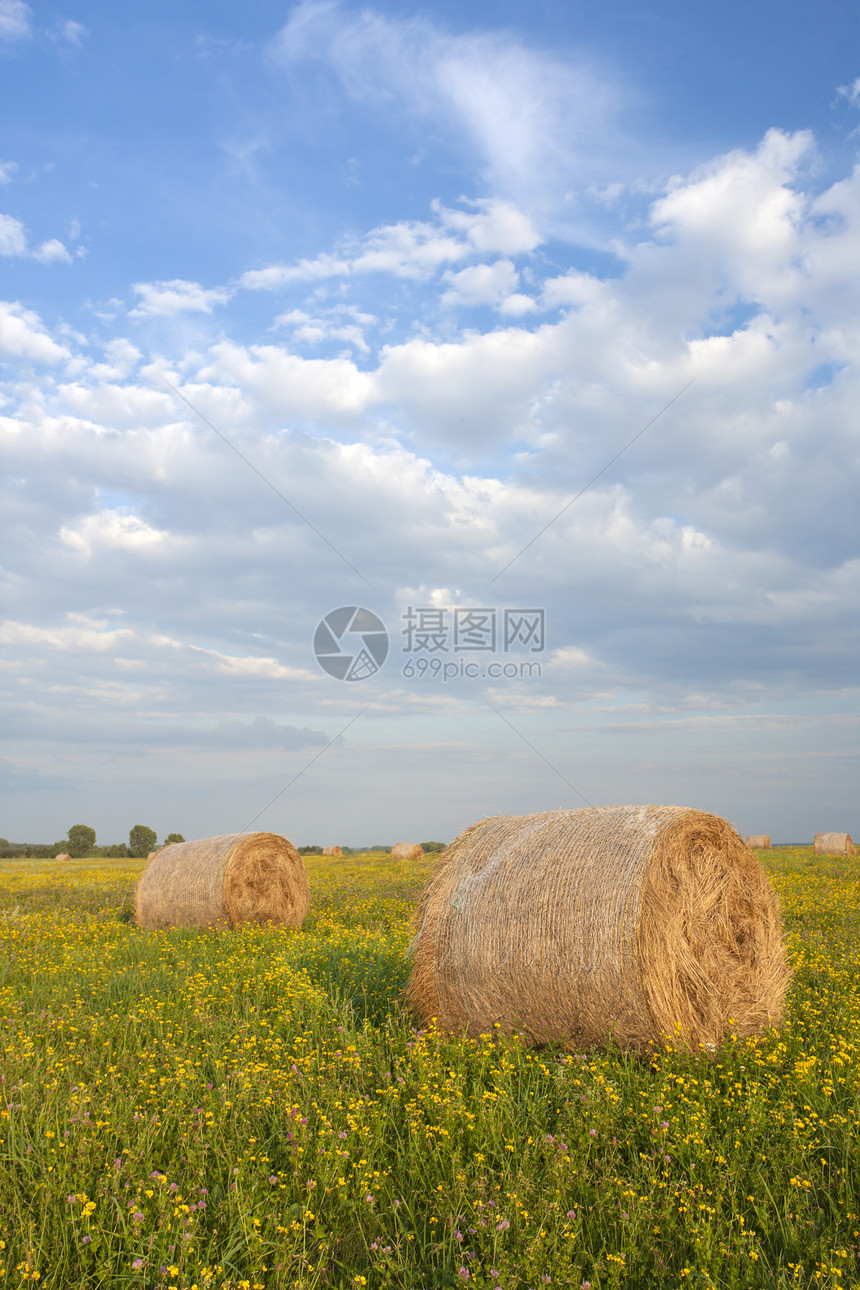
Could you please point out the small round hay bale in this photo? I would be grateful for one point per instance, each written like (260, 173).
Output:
(332, 851)
(151, 854)
(63, 856)
(834, 844)
(224, 882)
(407, 851)
(759, 842)
(644, 924)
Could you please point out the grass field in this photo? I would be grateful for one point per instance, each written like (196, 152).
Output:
(255, 1109)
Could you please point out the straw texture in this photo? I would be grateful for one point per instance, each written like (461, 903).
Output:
(407, 851)
(759, 841)
(224, 882)
(834, 844)
(332, 851)
(63, 855)
(644, 924)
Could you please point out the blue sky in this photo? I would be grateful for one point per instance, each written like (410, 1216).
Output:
(428, 269)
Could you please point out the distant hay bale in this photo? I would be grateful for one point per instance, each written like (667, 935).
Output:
(759, 842)
(332, 851)
(407, 851)
(224, 882)
(63, 856)
(151, 854)
(834, 844)
(644, 924)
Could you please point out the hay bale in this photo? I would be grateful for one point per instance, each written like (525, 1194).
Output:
(332, 851)
(631, 922)
(407, 851)
(224, 882)
(759, 841)
(834, 844)
(63, 856)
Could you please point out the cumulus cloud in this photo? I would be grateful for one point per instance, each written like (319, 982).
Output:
(14, 241)
(712, 567)
(52, 252)
(176, 296)
(112, 530)
(23, 335)
(13, 236)
(481, 284)
(415, 250)
(340, 323)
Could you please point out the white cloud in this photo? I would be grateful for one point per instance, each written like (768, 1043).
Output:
(52, 252)
(481, 284)
(65, 638)
(266, 375)
(22, 335)
(176, 296)
(7, 171)
(256, 666)
(13, 236)
(15, 18)
(342, 322)
(517, 305)
(851, 92)
(14, 242)
(112, 530)
(573, 288)
(415, 250)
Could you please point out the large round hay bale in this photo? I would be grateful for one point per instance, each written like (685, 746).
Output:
(224, 882)
(407, 851)
(834, 844)
(332, 851)
(63, 855)
(646, 925)
(759, 842)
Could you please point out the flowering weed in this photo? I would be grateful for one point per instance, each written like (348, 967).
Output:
(255, 1109)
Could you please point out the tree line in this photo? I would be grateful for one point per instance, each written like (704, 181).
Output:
(81, 841)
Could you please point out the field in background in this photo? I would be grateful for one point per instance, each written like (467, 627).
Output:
(254, 1109)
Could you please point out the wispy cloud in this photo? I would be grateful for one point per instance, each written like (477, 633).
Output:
(543, 127)
(15, 24)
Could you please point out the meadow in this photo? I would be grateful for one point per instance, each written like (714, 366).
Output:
(255, 1109)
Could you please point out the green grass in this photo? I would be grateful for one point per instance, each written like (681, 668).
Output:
(256, 1109)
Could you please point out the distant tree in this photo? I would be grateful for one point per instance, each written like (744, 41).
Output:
(141, 841)
(82, 839)
(433, 846)
(173, 837)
